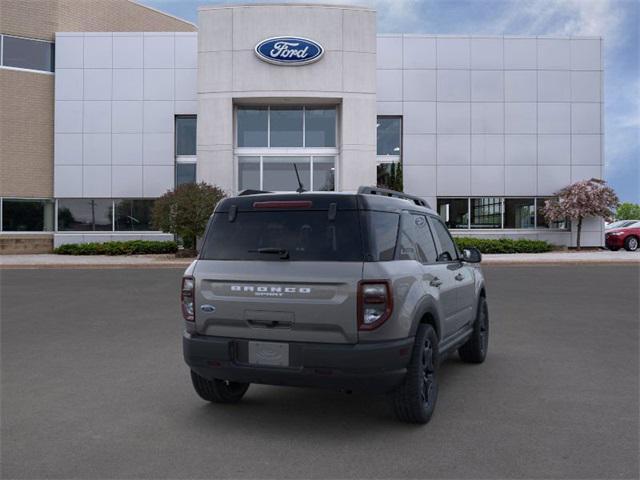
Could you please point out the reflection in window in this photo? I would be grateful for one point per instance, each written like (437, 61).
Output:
(84, 214)
(26, 53)
(186, 135)
(448, 249)
(285, 124)
(27, 215)
(486, 212)
(249, 173)
(389, 133)
(542, 222)
(185, 173)
(382, 238)
(324, 174)
(133, 215)
(286, 127)
(279, 174)
(454, 212)
(389, 175)
(320, 127)
(253, 124)
(519, 213)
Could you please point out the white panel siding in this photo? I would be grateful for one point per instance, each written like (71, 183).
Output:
(116, 98)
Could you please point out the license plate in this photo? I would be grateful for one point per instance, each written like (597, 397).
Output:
(268, 353)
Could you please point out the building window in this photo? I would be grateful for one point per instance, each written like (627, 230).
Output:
(389, 136)
(85, 215)
(486, 212)
(454, 212)
(286, 127)
(542, 222)
(186, 160)
(320, 127)
(274, 141)
(519, 213)
(278, 173)
(389, 152)
(26, 53)
(133, 215)
(27, 215)
(253, 126)
(496, 212)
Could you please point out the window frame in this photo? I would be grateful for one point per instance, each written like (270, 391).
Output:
(268, 151)
(29, 232)
(22, 69)
(389, 159)
(183, 159)
(261, 158)
(268, 146)
(536, 227)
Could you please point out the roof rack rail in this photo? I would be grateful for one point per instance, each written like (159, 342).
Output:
(392, 193)
(252, 192)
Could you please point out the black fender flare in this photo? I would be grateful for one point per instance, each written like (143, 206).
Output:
(429, 307)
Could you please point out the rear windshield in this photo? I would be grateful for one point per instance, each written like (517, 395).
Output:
(284, 236)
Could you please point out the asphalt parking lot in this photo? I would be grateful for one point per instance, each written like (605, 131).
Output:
(94, 386)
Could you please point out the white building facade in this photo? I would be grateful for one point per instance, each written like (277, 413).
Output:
(484, 128)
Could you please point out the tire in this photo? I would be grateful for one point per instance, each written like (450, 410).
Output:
(631, 243)
(475, 349)
(415, 399)
(218, 391)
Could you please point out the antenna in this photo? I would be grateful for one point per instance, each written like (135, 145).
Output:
(300, 188)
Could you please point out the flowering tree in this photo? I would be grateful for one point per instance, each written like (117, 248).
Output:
(185, 211)
(586, 198)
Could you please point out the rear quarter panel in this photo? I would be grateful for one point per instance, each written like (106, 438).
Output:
(408, 298)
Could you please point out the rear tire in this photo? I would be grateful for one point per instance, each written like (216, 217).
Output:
(415, 399)
(218, 391)
(475, 349)
(631, 244)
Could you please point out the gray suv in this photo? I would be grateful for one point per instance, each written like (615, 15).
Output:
(357, 291)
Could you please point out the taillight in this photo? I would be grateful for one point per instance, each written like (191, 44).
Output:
(186, 299)
(375, 303)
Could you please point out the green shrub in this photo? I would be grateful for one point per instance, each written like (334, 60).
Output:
(132, 247)
(504, 245)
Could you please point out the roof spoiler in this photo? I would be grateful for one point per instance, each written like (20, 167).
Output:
(383, 192)
(252, 192)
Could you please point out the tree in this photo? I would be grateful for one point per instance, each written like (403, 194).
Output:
(186, 210)
(586, 198)
(628, 211)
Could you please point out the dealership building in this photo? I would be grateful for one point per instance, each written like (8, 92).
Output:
(107, 105)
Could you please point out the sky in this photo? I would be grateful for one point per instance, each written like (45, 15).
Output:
(617, 21)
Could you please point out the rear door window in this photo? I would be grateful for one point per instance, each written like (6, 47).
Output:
(305, 236)
(416, 242)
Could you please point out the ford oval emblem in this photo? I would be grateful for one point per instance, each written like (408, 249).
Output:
(289, 51)
(208, 308)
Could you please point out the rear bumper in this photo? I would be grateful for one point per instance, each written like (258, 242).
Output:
(371, 367)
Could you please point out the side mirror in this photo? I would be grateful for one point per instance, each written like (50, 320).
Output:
(471, 255)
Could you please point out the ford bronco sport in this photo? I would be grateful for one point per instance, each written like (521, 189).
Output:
(354, 291)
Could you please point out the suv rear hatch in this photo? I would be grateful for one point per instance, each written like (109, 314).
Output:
(282, 268)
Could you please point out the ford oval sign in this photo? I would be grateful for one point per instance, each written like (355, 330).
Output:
(289, 51)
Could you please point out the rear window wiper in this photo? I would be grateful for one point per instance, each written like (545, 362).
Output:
(283, 252)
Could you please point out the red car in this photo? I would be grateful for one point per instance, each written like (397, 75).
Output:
(627, 237)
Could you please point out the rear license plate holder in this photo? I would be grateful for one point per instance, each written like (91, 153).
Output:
(269, 354)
